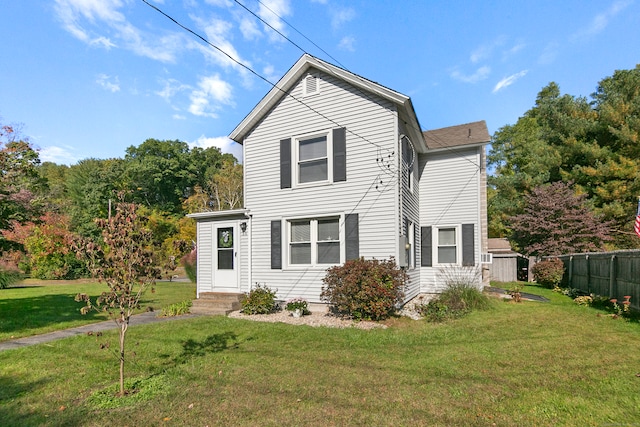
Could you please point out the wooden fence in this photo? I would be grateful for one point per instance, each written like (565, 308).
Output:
(611, 274)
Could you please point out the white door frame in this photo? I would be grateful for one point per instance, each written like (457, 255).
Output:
(226, 260)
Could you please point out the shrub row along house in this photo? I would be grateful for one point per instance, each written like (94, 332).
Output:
(336, 167)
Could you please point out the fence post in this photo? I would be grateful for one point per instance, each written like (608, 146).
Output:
(570, 284)
(612, 277)
(586, 260)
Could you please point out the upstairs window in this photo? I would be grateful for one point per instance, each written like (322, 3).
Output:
(313, 159)
(320, 157)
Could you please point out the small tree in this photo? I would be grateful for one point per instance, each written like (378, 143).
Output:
(125, 263)
(556, 221)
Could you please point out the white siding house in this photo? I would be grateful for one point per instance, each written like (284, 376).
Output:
(337, 167)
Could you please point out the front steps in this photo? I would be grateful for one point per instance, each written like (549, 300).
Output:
(216, 303)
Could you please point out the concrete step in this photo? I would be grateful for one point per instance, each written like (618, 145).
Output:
(216, 303)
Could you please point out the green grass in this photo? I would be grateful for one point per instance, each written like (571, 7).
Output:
(31, 310)
(527, 364)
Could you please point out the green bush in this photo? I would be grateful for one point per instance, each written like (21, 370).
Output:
(364, 289)
(190, 263)
(9, 277)
(548, 273)
(176, 309)
(460, 297)
(456, 301)
(260, 300)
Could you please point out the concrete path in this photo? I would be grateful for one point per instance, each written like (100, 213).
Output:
(138, 319)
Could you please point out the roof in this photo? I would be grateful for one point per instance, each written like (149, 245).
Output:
(499, 246)
(299, 69)
(457, 136)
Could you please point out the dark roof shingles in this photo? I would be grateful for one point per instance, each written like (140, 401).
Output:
(456, 136)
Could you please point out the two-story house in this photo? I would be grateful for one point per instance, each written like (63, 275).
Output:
(337, 167)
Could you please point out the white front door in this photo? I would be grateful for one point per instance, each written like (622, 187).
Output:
(226, 261)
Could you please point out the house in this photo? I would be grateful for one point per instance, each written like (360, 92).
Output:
(337, 167)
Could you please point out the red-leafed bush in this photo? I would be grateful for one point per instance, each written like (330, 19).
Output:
(364, 289)
(190, 263)
(549, 272)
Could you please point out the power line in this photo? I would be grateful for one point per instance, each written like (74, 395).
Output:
(366, 82)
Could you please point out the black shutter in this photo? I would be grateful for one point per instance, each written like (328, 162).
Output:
(352, 243)
(276, 245)
(339, 155)
(285, 163)
(468, 245)
(426, 249)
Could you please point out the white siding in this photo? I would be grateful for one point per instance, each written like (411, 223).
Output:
(205, 257)
(371, 133)
(450, 196)
(410, 209)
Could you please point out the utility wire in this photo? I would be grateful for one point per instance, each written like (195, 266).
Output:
(366, 82)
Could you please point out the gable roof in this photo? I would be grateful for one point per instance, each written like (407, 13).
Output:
(297, 71)
(457, 136)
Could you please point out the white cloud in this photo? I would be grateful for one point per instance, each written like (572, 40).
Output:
(508, 81)
(549, 53)
(481, 74)
(99, 22)
(112, 84)
(486, 50)
(59, 155)
(217, 32)
(212, 92)
(347, 43)
(179, 117)
(342, 16)
(271, 11)
(249, 29)
(171, 88)
(601, 21)
(225, 145)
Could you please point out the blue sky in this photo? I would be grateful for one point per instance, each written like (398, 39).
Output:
(89, 78)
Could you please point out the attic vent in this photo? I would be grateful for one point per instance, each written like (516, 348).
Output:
(311, 85)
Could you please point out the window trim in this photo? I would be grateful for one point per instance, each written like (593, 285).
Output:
(313, 222)
(436, 244)
(328, 135)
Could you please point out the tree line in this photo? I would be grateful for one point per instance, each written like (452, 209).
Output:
(566, 176)
(45, 207)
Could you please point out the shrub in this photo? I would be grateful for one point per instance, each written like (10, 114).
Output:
(190, 262)
(177, 309)
(260, 300)
(9, 277)
(549, 272)
(459, 298)
(364, 289)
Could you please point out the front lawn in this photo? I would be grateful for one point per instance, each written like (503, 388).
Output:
(37, 309)
(542, 364)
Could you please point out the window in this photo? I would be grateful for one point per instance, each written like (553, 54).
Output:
(313, 159)
(408, 161)
(315, 241)
(447, 246)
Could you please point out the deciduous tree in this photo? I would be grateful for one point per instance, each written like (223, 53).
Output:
(556, 221)
(125, 263)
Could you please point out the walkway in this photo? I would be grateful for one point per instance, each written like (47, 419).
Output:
(138, 319)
